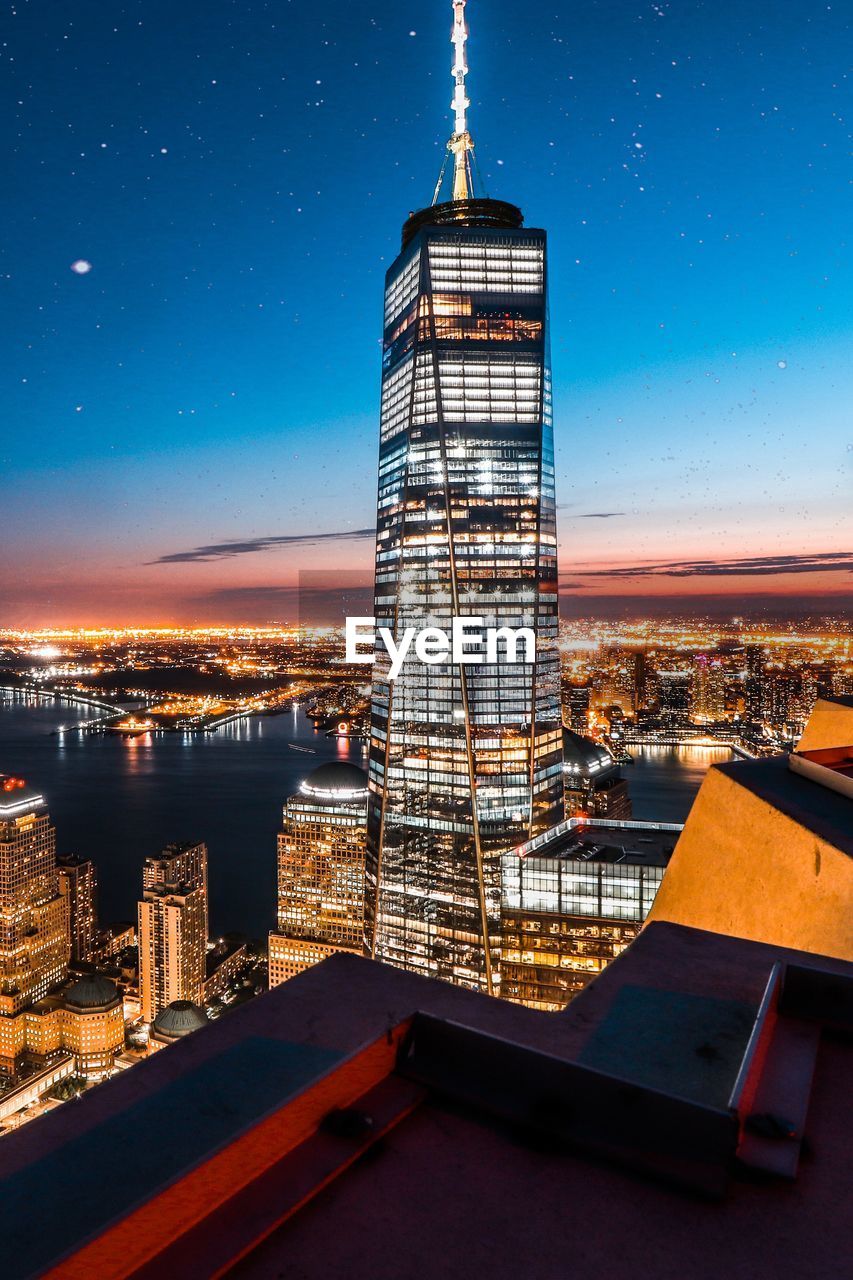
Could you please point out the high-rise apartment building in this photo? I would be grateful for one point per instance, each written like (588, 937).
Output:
(464, 759)
(709, 688)
(181, 863)
(321, 851)
(754, 683)
(173, 928)
(78, 883)
(34, 937)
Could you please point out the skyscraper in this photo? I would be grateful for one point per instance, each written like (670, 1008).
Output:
(464, 759)
(674, 698)
(754, 683)
(320, 870)
(182, 863)
(34, 940)
(173, 928)
(78, 883)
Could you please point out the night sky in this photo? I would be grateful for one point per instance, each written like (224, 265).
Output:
(181, 420)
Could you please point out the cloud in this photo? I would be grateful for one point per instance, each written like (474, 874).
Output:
(599, 515)
(750, 566)
(247, 546)
(310, 603)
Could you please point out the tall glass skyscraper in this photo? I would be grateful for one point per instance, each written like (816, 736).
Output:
(465, 760)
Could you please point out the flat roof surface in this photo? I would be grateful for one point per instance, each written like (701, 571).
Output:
(633, 844)
(451, 1192)
(825, 812)
(16, 796)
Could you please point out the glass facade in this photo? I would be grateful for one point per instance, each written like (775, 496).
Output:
(465, 760)
(320, 872)
(34, 928)
(573, 900)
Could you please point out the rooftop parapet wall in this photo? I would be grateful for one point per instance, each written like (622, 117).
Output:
(830, 725)
(768, 855)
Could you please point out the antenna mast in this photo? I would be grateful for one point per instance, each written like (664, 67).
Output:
(461, 144)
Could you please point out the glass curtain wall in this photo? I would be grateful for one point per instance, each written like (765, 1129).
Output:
(465, 760)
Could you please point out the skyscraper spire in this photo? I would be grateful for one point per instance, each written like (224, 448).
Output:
(460, 144)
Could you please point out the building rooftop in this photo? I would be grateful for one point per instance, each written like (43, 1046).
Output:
(602, 840)
(825, 812)
(657, 1120)
(92, 991)
(17, 797)
(585, 757)
(335, 781)
(179, 1019)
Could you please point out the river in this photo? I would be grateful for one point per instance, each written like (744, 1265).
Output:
(117, 799)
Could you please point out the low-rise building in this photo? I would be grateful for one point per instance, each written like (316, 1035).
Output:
(572, 899)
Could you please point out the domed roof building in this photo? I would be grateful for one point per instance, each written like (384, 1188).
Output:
(178, 1019)
(584, 757)
(92, 991)
(321, 849)
(93, 1023)
(335, 782)
(592, 780)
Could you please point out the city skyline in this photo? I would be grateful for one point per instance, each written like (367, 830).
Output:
(184, 417)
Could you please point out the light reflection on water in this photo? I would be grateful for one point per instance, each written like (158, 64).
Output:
(117, 798)
(663, 781)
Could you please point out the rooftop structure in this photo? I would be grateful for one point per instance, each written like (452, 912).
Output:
(779, 835)
(572, 900)
(660, 1118)
(18, 797)
(177, 1020)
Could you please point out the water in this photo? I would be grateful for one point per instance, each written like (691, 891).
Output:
(118, 799)
(663, 781)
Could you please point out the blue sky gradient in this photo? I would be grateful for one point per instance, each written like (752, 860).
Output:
(237, 174)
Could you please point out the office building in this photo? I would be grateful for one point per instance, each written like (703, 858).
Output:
(675, 698)
(93, 1024)
(34, 932)
(321, 850)
(573, 899)
(172, 928)
(592, 779)
(464, 758)
(78, 883)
